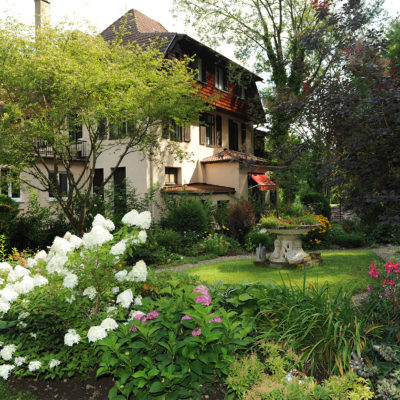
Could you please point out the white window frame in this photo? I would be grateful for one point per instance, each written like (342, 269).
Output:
(10, 189)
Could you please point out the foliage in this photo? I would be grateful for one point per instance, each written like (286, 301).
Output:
(274, 220)
(188, 342)
(254, 238)
(318, 202)
(241, 220)
(68, 289)
(8, 212)
(60, 80)
(188, 215)
(317, 237)
(217, 244)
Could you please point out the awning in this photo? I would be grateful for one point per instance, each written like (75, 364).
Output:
(263, 182)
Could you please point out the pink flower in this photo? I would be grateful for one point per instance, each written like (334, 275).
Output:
(204, 299)
(196, 332)
(133, 328)
(380, 296)
(368, 288)
(186, 317)
(139, 316)
(216, 319)
(201, 289)
(391, 282)
(152, 314)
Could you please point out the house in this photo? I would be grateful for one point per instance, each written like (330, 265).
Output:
(221, 145)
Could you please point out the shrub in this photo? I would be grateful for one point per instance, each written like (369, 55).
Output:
(188, 215)
(169, 239)
(254, 238)
(8, 212)
(216, 244)
(318, 237)
(241, 220)
(317, 202)
(348, 240)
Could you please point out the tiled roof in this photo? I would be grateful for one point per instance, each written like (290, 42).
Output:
(137, 27)
(198, 188)
(231, 155)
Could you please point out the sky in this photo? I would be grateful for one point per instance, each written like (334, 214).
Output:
(102, 13)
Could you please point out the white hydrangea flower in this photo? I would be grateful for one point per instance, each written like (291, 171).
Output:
(17, 273)
(125, 298)
(109, 324)
(118, 248)
(71, 337)
(33, 335)
(40, 280)
(115, 290)
(24, 286)
(56, 264)
(19, 361)
(138, 273)
(96, 333)
(128, 218)
(8, 295)
(70, 281)
(54, 363)
(5, 370)
(90, 292)
(7, 351)
(141, 238)
(138, 301)
(111, 310)
(4, 306)
(1, 281)
(143, 220)
(70, 299)
(121, 275)
(133, 314)
(42, 255)
(23, 315)
(96, 237)
(22, 325)
(104, 222)
(5, 267)
(31, 262)
(61, 246)
(67, 235)
(75, 241)
(34, 365)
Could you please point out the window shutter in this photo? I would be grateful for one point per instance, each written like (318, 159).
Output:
(219, 130)
(202, 134)
(186, 134)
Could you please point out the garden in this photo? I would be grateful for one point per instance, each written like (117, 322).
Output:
(106, 315)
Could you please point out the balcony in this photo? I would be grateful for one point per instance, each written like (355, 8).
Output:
(78, 149)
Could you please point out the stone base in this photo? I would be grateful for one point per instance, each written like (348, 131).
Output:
(310, 261)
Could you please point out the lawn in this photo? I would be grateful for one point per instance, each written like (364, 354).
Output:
(339, 268)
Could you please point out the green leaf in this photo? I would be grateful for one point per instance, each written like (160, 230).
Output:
(156, 387)
(245, 296)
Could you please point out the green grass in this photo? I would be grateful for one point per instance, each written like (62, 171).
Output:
(339, 268)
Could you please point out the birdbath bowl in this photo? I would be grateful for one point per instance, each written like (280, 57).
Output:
(288, 246)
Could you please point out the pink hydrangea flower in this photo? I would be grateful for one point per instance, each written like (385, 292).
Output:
(186, 317)
(152, 314)
(201, 289)
(204, 299)
(139, 316)
(133, 328)
(216, 319)
(196, 332)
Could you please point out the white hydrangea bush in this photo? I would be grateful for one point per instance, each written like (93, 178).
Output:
(56, 307)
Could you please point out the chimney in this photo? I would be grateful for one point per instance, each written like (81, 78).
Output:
(42, 13)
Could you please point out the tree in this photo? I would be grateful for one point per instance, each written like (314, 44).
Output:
(52, 85)
(359, 115)
(296, 42)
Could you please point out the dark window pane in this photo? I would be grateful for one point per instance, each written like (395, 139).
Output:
(98, 180)
(63, 182)
(244, 134)
(218, 130)
(233, 136)
(120, 190)
(74, 126)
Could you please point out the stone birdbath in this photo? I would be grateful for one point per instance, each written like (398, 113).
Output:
(288, 249)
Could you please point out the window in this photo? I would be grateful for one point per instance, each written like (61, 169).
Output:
(171, 176)
(207, 129)
(74, 127)
(233, 136)
(240, 92)
(98, 180)
(200, 66)
(220, 80)
(9, 184)
(121, 131)
(171, 130)
(61, 182)
(218, 130)
(102, 129)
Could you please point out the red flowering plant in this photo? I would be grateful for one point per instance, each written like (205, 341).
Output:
(387, 280)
